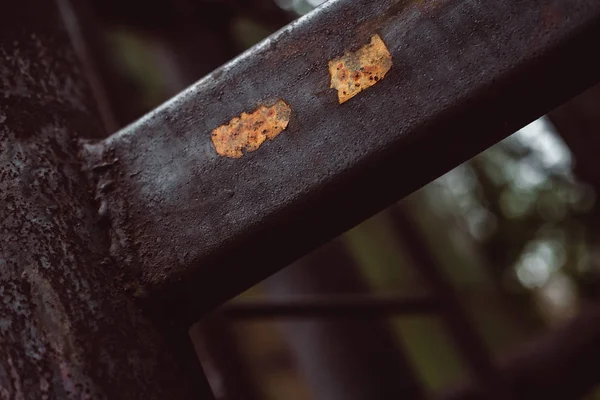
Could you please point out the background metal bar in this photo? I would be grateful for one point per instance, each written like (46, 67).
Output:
(338, 306)
(344, 357)
(68, 330)
(194, 228)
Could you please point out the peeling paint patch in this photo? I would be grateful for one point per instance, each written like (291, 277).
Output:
(356, 71)
(248, 131)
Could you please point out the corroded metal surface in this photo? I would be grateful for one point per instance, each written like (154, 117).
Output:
(248, 131)
(356, 71)
(67, 328)
(197, 228)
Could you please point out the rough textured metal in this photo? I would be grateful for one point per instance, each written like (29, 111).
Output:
(67, 328)
(196, 228)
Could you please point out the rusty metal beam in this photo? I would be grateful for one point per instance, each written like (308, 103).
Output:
(68, 330)
(195, 228)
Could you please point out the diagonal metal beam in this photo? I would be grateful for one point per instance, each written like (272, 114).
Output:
(193, 228)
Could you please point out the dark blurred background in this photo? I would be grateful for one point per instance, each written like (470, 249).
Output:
(494, 253)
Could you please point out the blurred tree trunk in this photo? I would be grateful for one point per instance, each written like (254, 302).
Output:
(196, 36)
(464, 334)
(342, 359)
(503, 249)
(578, 123)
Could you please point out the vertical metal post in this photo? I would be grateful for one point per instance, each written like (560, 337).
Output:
(68, 328)
(228, 373)
(350, 359)
(465, 337)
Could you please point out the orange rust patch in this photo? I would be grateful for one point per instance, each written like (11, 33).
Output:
(354, 72)
(248, 131)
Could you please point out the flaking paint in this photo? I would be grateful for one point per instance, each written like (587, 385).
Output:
(356, 71)
(248, 131)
